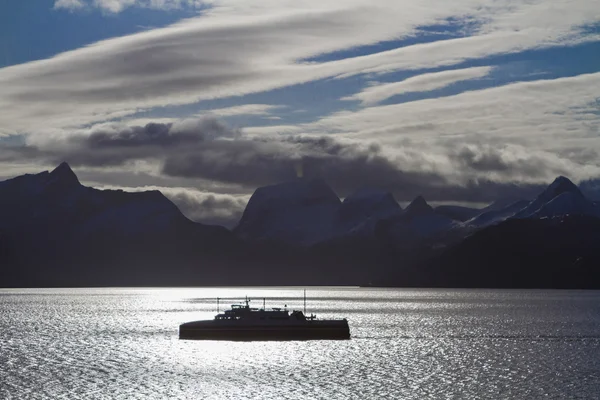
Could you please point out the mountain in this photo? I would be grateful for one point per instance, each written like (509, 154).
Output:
(551, 241)
(56, 232)
(566, 203)
(419, 221)
(561, 197)
(299, 212)
(418, 207)
(360, 212)
(560, 252)
(52, 226)
(458, 213)
(495, 216)
(548, 203)
(501, 204)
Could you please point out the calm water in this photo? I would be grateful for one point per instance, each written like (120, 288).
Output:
(408, 344)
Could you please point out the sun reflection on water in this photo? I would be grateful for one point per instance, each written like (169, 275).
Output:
(412, 344)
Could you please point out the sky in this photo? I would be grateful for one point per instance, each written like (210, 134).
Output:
(463, 102)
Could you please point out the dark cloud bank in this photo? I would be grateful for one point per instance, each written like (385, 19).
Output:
(208, 149)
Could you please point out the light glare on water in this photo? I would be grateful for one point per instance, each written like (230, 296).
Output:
(408, 344)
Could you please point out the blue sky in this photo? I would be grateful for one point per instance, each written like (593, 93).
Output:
(436, 98)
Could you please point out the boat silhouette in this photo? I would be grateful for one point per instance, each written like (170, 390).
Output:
(244, 323)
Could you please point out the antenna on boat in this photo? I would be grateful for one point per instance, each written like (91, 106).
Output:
(304, 301)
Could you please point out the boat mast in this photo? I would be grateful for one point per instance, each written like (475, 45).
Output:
(304, 301)
(217, 305)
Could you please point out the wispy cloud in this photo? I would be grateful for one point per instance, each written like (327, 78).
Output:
(69, 4)
(116, 6)
(536, 109)
(238, 48)
(246, 109)
(537, 118)
(120, 105)
(420, 83)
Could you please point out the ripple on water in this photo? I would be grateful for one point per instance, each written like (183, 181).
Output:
(409, 344)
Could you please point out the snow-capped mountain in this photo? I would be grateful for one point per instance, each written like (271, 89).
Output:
(495, 216)
(566, 203)
(562, 197)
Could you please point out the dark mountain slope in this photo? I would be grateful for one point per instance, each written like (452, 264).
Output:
(560, 252)
(55, 231)
(458, 213)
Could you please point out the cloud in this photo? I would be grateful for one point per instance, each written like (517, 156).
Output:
(545, 116)
(208, 208)
(198, 205)
(116, 6)
(69, 4)
(260, 162)
(237, 48)
(117, 144)
(206, 150)
(420, 83)
(509, 161)
(246, 109)
(447, 148)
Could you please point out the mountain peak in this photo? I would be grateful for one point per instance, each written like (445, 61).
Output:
(300, 211)
(64, 173)
(560, 185)
(418, 207)
(562, 181)
(367, 203)
(298, 191)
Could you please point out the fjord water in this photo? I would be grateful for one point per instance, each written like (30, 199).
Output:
(408, 344)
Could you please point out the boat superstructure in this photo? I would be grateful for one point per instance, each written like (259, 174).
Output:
(242, 322)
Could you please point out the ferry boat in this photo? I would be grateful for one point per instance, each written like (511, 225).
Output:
(244, 323)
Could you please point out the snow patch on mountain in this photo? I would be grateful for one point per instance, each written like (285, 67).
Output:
(496, 216)
(574, 203)
(566, 203)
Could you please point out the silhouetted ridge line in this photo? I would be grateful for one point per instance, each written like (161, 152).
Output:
(56, 232)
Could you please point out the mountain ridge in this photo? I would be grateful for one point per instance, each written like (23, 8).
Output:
(56, 231)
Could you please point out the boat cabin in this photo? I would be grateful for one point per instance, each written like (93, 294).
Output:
(239, 311)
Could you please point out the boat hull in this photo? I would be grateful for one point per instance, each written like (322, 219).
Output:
(311, 330)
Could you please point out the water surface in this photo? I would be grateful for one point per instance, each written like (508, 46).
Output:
(407, 344)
